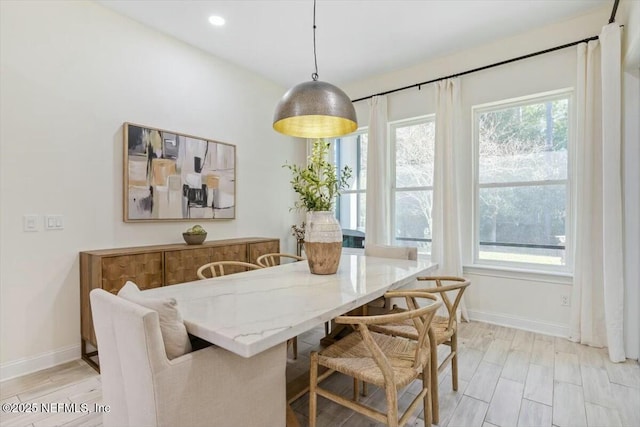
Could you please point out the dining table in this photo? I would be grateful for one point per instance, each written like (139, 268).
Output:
(249, 312)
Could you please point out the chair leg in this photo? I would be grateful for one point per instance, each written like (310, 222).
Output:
(392, 405)
(313, 383)
(454, 361)
(356, 389)
(426, 383)
(435, 412)
(295, 348)
(364, 388)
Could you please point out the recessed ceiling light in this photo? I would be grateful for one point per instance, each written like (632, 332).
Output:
(216, 20)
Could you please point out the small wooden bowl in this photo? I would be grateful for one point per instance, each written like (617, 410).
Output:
(194, 239)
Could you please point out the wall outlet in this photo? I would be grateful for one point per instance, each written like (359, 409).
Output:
(565, 301)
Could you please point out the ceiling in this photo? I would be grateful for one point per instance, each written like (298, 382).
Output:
(355, 38)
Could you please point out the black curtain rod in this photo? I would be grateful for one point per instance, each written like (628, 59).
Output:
(508, 61)
(614, 11)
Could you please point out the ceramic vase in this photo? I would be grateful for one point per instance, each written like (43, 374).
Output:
(323, 242)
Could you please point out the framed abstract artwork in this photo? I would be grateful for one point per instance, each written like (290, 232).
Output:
(175, 177)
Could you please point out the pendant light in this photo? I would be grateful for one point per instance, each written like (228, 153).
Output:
(315, 109)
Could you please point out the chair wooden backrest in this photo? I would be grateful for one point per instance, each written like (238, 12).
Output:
(270, 260)
(217, 268)
(421, 317)
(458, 287)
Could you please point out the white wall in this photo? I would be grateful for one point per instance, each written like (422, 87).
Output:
(72, 73)
(529, 301)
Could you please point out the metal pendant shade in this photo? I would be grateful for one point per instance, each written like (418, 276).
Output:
(315, 109)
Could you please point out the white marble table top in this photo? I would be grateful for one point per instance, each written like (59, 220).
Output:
(249, 312)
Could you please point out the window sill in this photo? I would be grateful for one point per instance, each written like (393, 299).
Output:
(353, 251)
(360, 251)
(556, 277)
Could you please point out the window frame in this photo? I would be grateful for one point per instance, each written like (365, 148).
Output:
(476, 110)
(391, 127)
(336, 161)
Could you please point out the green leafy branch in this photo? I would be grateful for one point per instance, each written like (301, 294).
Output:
(318, 184)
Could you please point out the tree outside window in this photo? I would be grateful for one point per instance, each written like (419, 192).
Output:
(522, 181)
(413, 144)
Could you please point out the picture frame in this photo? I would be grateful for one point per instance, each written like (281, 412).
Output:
(171, 176)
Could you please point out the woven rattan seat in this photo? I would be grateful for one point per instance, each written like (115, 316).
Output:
(351, 356)
(390, 362)
(444, 330)
(439, 326)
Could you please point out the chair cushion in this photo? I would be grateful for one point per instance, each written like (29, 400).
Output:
(174, 333)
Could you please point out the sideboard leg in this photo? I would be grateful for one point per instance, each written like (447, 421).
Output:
(91, 357)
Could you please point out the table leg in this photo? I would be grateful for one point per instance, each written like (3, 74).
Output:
(292, 420)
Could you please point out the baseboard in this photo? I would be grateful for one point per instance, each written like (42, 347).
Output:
(28, 365)
(546, 328)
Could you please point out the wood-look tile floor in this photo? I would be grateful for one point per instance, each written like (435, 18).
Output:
(508, 378)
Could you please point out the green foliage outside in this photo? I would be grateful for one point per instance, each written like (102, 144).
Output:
(519, 146)
(318, 183)
(523, 176)
(414, 159)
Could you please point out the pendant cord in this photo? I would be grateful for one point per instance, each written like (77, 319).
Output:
(314, 76)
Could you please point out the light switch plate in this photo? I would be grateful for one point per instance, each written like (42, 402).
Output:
(53, 222)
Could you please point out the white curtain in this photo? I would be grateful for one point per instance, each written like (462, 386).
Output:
(445, 227)
(378, 187)
(598, 288)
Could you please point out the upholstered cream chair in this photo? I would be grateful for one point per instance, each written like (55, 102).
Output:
(389, 362)
(271, 260)
(208, 387)
(388, 251)
(444, 330)
(217, 268)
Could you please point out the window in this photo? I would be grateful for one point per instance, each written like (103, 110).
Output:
(351, 205)
(522, 181)
(412, 146)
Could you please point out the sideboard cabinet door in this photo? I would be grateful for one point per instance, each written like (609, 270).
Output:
(145, 270)
(181, 266)
(231, 253)
(261, 248)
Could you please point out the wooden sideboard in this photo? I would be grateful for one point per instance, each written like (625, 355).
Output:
(155, 266)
